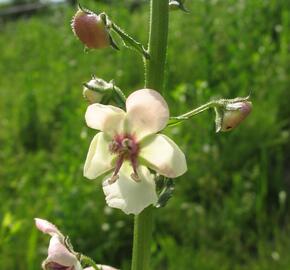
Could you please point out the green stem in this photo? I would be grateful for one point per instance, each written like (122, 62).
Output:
(154, 76)
(216, 104)
(88, 261)
(143, 227)
(178, 119)
(198, 110)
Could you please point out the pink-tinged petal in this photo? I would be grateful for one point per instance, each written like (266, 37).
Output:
(128, 195)
(106, 118)
(78, 266)
(99, 158)
(56, 266)
(163, 155)
(46, 227)
(58, 253)
(147, 112)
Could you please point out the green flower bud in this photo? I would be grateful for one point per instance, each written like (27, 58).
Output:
(90, 29)
(177, 5)
(95, 89)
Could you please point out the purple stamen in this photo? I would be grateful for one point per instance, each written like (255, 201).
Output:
(119, 163)
(134, 164)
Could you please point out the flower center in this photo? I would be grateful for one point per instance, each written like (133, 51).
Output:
(126, 148)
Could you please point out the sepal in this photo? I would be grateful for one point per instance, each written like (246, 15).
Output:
(165, 189)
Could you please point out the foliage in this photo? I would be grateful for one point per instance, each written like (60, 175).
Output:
(228, 212)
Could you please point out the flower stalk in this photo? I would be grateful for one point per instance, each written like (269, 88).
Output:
(88, 261)
(178, 119)
(154, 79)
(229, 112)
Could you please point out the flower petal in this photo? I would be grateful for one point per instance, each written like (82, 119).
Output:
(106, 118)
(58, 253)
(99, 158)
(106, 267)
(128, 195)
(102, 267)
(147, 112)
(78, 266)
(163, 155)
(46, 227)
(56, 266)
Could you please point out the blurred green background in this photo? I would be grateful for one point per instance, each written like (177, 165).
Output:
(229, 211)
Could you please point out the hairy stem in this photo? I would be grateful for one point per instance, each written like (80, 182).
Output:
(154, 76)
(143, 227)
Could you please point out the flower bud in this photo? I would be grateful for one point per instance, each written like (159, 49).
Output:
(177, 4)
(95, 89)
(234, 114)
(90, 29)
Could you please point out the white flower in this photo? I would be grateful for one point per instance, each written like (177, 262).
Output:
(127, 145)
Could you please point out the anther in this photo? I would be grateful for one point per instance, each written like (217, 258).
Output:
(113, 147)
(113, 179)
(135, 177)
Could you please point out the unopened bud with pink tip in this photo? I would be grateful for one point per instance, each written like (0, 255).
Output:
(232, 113)
(90, 29)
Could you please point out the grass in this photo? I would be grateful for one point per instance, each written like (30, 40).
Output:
(227, 212)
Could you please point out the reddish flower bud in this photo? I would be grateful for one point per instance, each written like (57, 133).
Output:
(90, 29)
(234, 114)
